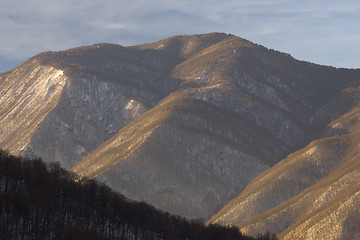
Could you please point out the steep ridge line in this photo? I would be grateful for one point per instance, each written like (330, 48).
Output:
(323, 201)
(126, 140)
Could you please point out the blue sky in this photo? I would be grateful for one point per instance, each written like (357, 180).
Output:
(321, 31)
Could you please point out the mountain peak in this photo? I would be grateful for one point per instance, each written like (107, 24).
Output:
(184, 123)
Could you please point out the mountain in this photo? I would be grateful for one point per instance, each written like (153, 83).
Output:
(316, 189)
(46, 202)
(183, 124)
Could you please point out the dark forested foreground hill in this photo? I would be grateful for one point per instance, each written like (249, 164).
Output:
(39, 201)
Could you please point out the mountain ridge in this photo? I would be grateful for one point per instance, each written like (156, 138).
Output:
(326, 190)
(275, 103)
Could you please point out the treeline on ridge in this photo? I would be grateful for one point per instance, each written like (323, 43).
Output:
(43, 201)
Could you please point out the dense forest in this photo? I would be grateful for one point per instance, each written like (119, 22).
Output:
(43, 201)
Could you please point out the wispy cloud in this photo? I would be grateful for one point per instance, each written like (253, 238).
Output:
(324, 32)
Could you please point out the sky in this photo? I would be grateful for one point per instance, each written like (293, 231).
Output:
(325, 32)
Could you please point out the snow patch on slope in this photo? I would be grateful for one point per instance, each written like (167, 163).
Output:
(134, 108)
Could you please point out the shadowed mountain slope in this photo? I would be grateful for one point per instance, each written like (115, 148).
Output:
(312, 194)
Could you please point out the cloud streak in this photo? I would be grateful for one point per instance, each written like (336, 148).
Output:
(324, 32)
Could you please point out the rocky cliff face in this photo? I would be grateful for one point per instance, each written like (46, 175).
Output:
(184, 123)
